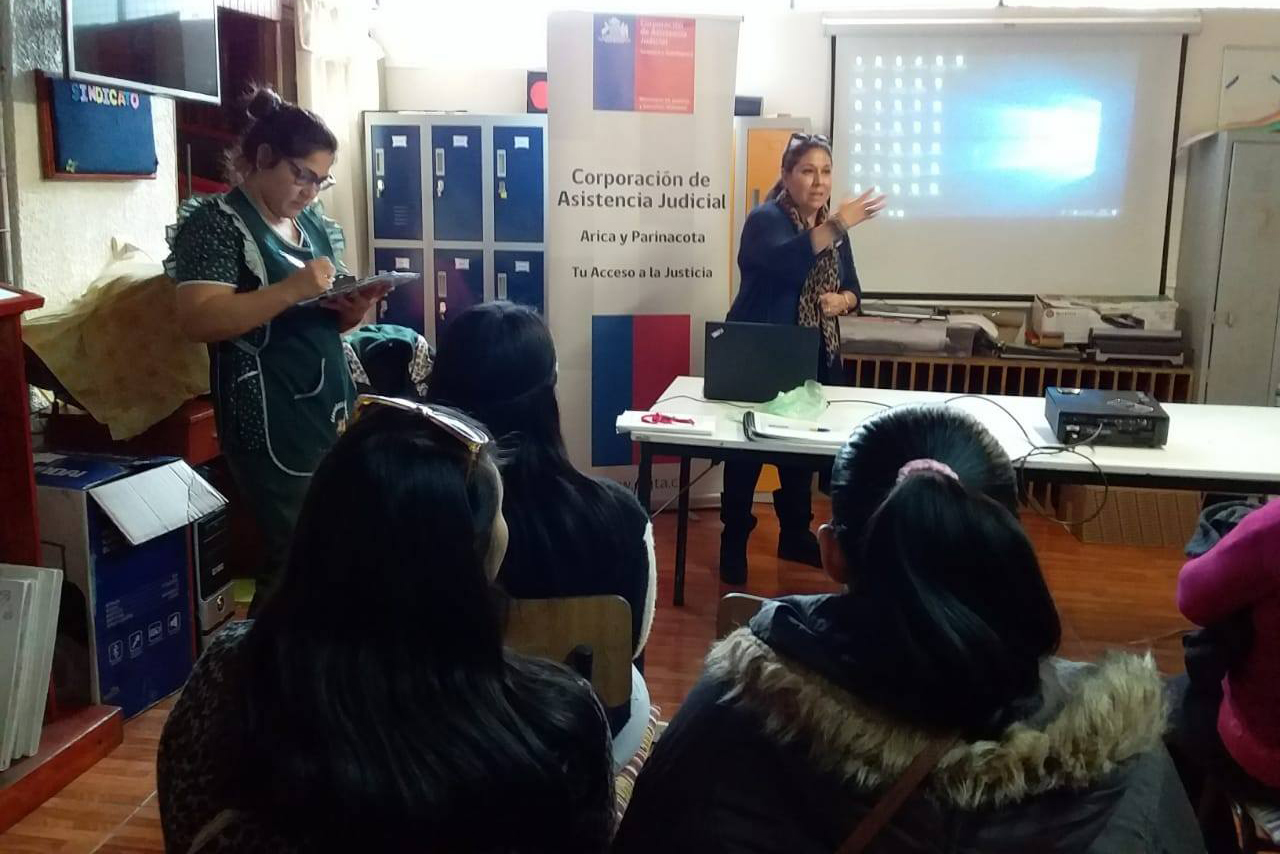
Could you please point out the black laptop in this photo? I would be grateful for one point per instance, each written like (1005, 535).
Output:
(752, 362)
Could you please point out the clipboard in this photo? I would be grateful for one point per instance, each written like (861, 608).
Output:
(759, 426)
(343, 285)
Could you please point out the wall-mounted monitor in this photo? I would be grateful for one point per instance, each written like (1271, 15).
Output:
(168, 47)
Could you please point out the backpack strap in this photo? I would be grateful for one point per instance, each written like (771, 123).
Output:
(893, 799)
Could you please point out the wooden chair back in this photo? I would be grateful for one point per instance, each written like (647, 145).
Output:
(735, 611)
(597, 626)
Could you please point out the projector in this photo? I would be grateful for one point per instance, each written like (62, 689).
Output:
(1132, 419)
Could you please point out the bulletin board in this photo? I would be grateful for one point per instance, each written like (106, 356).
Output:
(90, 132)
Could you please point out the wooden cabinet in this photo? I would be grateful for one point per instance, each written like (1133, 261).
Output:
(255, 46)
(74, 739)
(19, 531)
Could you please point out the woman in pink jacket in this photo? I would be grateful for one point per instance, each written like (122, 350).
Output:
(1231, 731)
(1242, 573)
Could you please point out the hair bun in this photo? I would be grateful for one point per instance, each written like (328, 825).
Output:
(263, 102)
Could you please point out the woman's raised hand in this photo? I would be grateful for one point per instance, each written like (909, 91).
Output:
(854, 211)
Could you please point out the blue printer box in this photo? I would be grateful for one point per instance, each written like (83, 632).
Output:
(118, 528)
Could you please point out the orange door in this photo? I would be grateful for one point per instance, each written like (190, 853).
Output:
(764, 161)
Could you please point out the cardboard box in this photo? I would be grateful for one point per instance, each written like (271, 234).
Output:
(118, 528)
(1074, 317)
(1135, 517)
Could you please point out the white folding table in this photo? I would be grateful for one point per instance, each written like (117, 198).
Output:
(1211, 448)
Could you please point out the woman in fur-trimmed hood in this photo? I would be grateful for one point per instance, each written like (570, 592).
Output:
(947, 633)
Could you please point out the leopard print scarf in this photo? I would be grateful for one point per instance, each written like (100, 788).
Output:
(823, 278)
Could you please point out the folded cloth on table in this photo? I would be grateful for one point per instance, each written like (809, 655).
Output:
(118, 350)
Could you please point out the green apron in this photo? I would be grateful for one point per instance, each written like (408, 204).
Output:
(305, 387)
(291, 393)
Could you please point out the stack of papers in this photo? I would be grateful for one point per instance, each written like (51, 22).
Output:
(889, 335)
(880, 308)
(762, 425)
(29, 601)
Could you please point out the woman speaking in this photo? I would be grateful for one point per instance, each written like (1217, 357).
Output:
(797, 267)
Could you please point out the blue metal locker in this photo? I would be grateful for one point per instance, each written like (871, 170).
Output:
(518, 192)
(458, 283)
(397, 182)
(407, 304)
(456, 184)
(520, 277)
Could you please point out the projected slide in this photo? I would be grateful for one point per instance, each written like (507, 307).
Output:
(987, 133)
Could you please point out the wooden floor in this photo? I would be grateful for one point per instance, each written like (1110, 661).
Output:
(1109, 596)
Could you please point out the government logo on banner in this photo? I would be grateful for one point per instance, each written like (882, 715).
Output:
(644, 64)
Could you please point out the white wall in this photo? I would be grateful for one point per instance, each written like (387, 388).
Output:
(786, 58)
(339, 78)
(451, 62)
(62, 230)
(451, 59)
(1202, 84)
(461, 60)
(450, 88)
(340, 91)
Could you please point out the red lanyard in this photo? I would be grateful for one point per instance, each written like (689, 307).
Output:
(659, 418)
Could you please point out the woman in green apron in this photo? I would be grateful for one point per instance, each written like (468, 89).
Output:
(244, 261)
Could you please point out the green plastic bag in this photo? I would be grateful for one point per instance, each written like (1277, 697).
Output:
(805, 403)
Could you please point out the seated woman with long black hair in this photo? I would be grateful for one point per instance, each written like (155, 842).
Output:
(371, 705)
(571, 534)
(937, 663)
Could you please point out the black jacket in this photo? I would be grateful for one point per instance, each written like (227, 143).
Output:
(766, 755)
(775, 259)
(200, 790)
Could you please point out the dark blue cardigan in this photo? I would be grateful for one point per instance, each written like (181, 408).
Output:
(775, 261)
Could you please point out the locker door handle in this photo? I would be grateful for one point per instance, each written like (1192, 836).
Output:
(440, 162)
(755, 198)
(379, 162)
(501, 166)
(1226, 318)
(502, 290)
(442, 285)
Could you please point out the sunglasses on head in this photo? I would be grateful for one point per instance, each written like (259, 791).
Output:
(805, 138)
(472, 438)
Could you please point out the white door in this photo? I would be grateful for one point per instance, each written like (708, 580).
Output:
(1242, 368)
